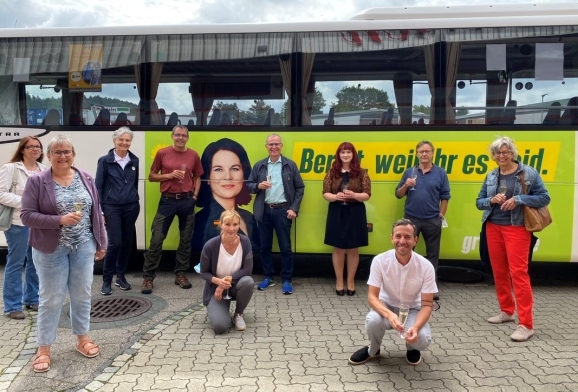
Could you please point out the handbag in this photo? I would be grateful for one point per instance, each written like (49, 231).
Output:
(5, 211)
(535, 219)
(5, 217)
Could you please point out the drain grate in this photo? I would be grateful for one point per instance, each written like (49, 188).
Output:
(117, 308)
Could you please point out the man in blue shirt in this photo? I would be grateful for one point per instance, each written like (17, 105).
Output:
(279, 188)
(427, 199)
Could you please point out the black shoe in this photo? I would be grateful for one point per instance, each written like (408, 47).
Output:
(362, 356)
(32, 308)
(350, 293)
(106, 289)
(340, 293)
(122, 284)
(413, 357)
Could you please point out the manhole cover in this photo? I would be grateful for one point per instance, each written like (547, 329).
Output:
(459, 275)
(117, 308)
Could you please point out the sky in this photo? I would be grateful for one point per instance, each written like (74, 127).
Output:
(86, 13)
(65, 13)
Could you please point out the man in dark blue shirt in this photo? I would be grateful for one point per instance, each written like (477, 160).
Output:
(428, 190)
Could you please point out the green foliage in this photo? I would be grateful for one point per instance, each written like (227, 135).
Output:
(257, 113)
(462, 111)
(235, 114)
(351, 98)
(421, 109)
(318, 102)
(35, 102)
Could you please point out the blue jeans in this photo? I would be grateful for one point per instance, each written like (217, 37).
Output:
(276, 218)
(184, 209)
(19, 256)
(65, 271)
(120, 220)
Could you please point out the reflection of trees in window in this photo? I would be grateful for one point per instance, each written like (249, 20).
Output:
(256, 114)
(421, 109)
(351, 98)
(462, 111)
(319, 103)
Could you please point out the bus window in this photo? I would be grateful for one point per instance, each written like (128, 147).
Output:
(361, 76)
(536, 85)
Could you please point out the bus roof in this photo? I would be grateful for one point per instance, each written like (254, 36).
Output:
(468, 11)
(394, 18)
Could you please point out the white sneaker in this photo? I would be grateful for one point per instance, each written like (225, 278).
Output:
(239, 322)
(521, 334)
(503, 317)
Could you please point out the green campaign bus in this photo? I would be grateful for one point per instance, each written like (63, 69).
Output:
(384, 80)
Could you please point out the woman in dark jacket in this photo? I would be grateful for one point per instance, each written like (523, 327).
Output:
(226, 266)
(117, 184)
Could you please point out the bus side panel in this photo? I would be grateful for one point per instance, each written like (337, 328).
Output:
(386, 155)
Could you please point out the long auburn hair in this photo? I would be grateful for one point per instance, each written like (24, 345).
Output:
(337, 165)
(19, 153)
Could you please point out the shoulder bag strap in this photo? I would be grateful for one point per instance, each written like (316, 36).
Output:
(523, 181)
(14, 180)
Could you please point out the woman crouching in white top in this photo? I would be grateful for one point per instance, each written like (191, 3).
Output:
(226, 266)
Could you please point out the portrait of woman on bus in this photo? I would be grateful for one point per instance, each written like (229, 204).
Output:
(226, 167)
(62, 209)
(25, 163)
(226, 266)
(346, 186)
(501, 199)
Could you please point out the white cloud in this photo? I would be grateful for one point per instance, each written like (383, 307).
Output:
(67, 13)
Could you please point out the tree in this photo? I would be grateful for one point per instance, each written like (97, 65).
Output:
(319, 103)
(234, 113)
(462, 111)
(352, 98)
(257, 113)
(421, 109)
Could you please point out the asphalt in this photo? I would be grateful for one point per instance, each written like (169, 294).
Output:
(302, 342)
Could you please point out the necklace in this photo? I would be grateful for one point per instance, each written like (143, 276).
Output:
(64, 180)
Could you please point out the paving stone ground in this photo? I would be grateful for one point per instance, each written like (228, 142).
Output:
(301, 342)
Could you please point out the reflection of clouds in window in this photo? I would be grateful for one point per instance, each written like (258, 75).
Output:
(475, 95)
(123, 91)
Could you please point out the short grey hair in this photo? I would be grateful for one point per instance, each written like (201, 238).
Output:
(504, 141)
(273, 135)
(424, 142)
(121, 131)
(184, 128)
(60, 140)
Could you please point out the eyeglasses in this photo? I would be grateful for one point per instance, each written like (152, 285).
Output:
(274, 144)
(427, 152)
(502, 153)
(180, 135)
(66, 153)
(33, 148)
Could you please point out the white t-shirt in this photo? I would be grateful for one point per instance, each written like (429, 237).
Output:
(402, 284)
(229, 263)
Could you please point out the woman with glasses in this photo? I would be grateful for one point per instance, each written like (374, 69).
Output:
(25, 163)
(501, 199)
(62, 208)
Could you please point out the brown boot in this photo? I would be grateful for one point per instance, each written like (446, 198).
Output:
(147, 286)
